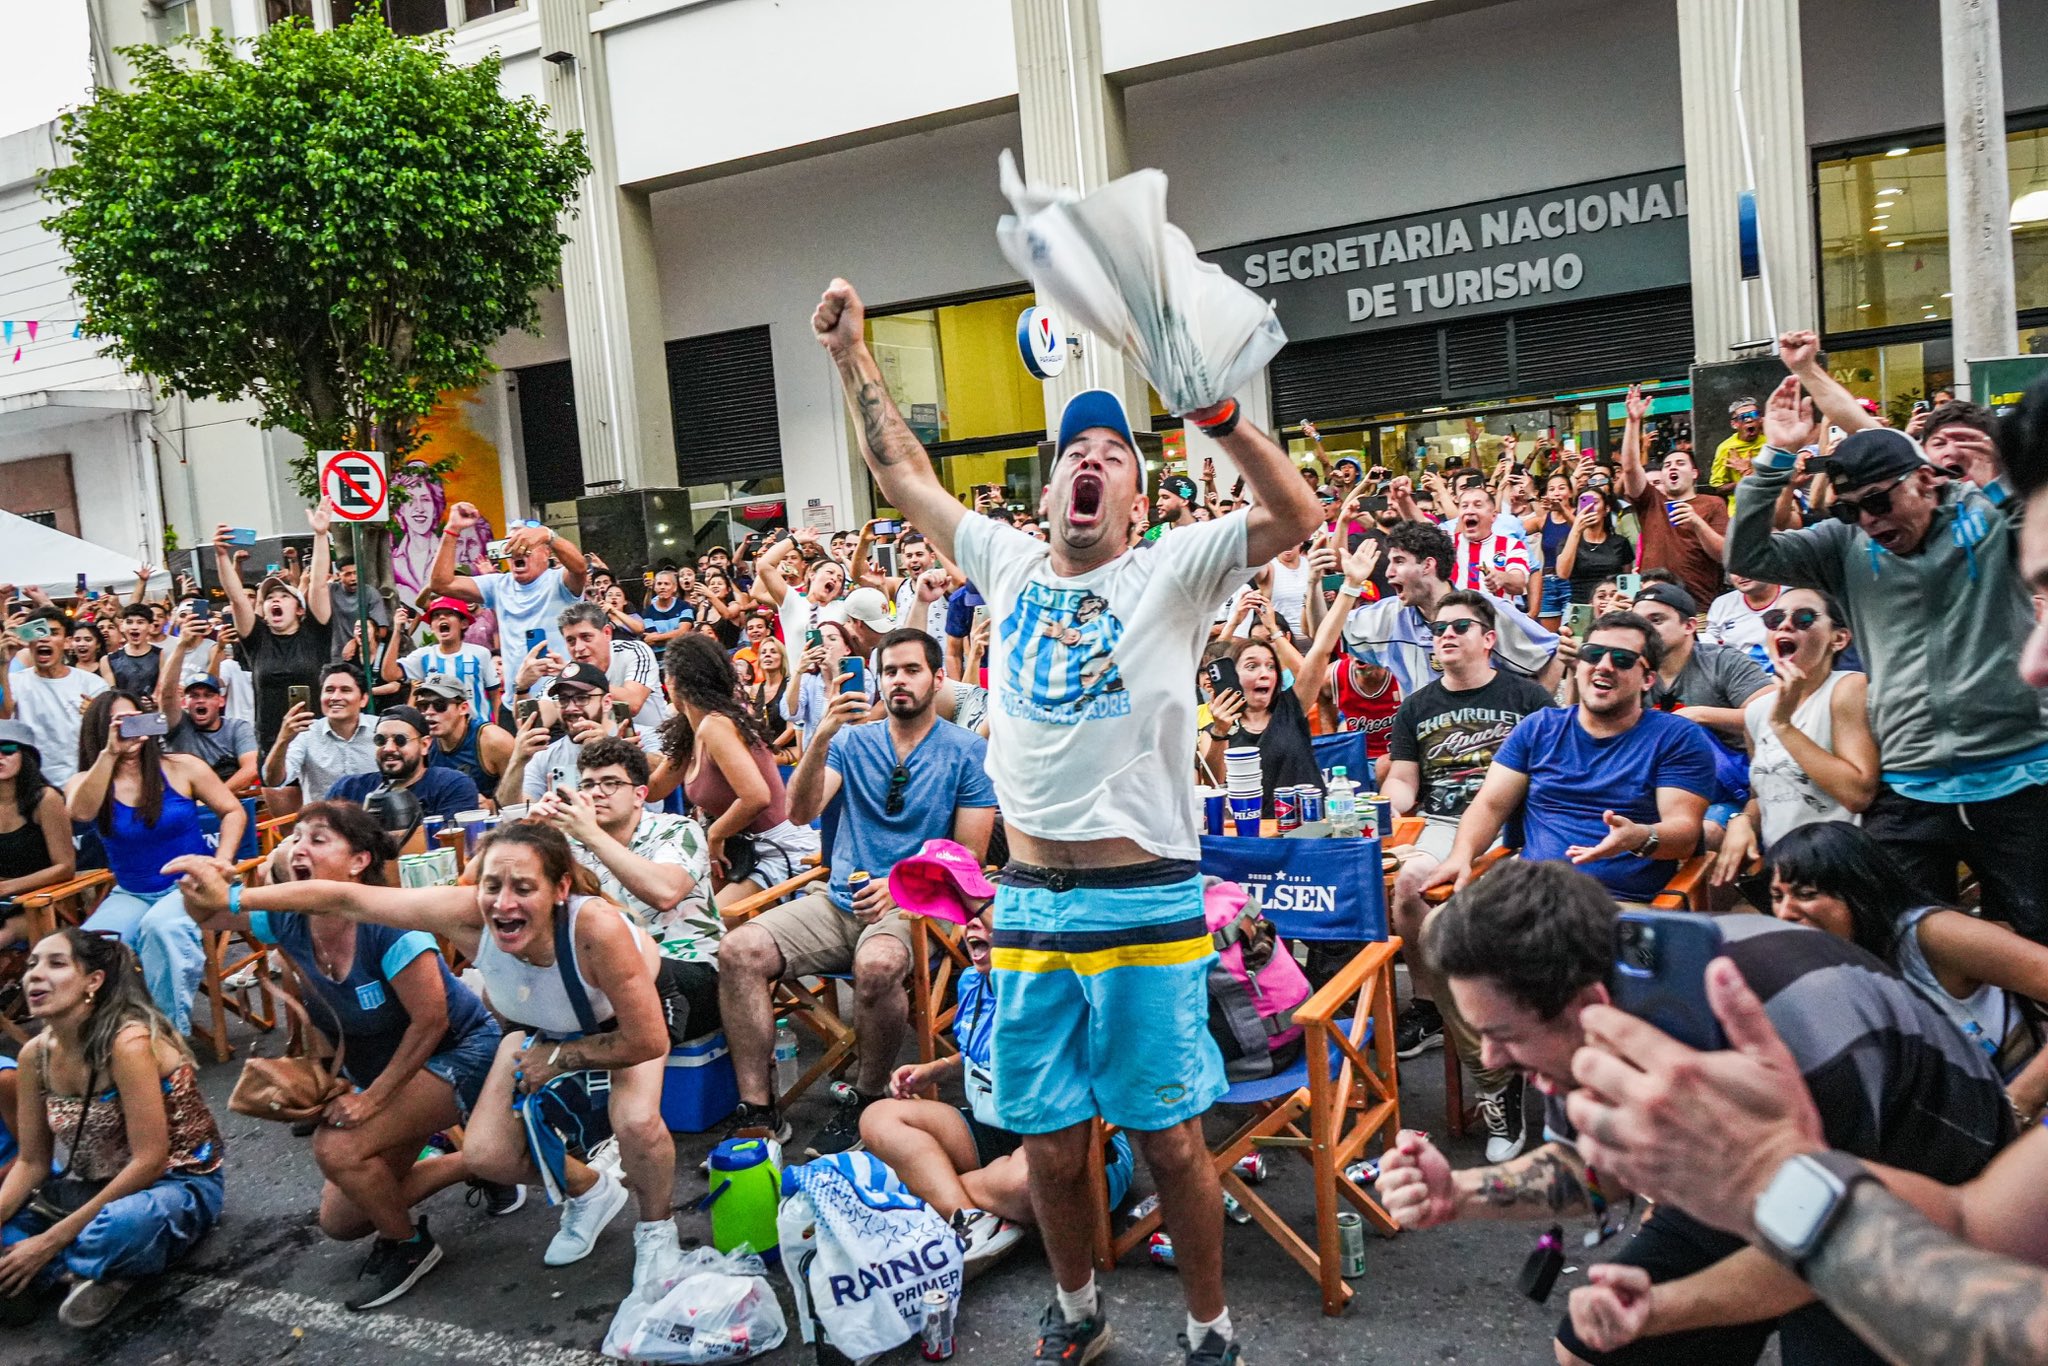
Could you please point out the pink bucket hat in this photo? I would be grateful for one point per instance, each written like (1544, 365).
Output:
(937, 880)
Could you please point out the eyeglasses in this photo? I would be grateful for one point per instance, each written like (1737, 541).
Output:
(1875, 503)
(1801, 619)
(1747, 415)
(898, 780)
(1623, 660)
(607, 786)
(391, 741)
(435, 703)
(1457, 626)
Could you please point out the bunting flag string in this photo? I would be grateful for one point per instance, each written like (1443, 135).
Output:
(33, 330)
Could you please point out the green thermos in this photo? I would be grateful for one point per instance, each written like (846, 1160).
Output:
(746, 1191)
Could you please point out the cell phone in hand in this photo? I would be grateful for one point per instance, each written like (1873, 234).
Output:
(857, 671)
(535, 638)
(139, 725)
(299, 695)
(241, 535)
(1660, 973)
(980, 615)
(494, 550)
(1631, 585)
(887, 527)
(1578, 619)
(1332, 582)
(1222, 674)
(621, 713)
(523, 711)
(1587, 502)
(813, 638)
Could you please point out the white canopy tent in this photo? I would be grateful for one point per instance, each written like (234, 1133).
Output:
(32, 554)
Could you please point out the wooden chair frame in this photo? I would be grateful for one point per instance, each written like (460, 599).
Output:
(814, 1006)
(1330, 1122)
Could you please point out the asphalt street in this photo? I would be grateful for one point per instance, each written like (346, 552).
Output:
(267, 1287)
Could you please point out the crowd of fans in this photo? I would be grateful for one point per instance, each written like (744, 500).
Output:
(1812, 670)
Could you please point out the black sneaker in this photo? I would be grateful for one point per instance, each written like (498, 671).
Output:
(841, 1133)
(1419, 1029)
(498, 1200)
(1071, 1344)
(394, 1268)
(1214, 1351)
(1501, 1111)
(757, 1121)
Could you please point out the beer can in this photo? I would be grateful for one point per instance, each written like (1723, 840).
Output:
(856, 880)
(1368, 808)
(1383, 817)
(1234, 1212)
(1159, 1247)
(1363, 1173)
(1350, 1245)
(938, 1325)
(1251, 1168)
(1286, 810)
(1311, 803)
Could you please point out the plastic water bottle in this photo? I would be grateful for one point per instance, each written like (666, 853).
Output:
(786, 1072)
(1341, 807)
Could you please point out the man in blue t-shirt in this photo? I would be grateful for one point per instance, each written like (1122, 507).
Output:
(1608, 785)
(404, 740)
(887, 788)
(960, 605)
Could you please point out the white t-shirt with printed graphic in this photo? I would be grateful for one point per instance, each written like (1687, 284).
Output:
(1092, 703)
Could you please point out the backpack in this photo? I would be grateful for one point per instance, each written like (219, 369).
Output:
(1254, 986)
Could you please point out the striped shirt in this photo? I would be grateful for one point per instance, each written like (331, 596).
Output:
(1501, 552)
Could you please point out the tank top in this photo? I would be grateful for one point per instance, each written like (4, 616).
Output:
(710, 793)
(533, 997)
(24, 851)
(1555, 534)
(1986, 1007)
(1786, 794)
(102, 1148)
(137, 853)
(466, 759)
(1372, 713)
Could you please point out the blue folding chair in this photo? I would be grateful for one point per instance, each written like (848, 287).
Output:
(1343, 1092)
(1346, 748)
(209, 830)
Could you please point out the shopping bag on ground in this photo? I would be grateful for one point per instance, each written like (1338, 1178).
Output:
(1112, 263)
(721, 1308)
(861, 1252)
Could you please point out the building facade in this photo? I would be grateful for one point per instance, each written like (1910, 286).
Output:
(1473, 218)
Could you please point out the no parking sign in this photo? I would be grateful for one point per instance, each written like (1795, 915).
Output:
(354, 485)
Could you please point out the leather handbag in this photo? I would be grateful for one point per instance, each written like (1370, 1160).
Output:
(290, 1089)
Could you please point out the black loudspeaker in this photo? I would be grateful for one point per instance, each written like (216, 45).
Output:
(269, 550)
(634, 530)
(1716, 386)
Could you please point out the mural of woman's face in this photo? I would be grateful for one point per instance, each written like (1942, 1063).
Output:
(422, 510)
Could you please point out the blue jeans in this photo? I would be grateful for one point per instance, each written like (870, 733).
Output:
(1557, 594)
(138, 1235)
(165, 938)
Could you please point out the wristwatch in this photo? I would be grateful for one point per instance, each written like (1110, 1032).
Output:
(1648, 848)
(1795, 1212)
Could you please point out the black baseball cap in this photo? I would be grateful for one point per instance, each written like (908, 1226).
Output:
(1871, 455)
(583, 676)
(1671, 595)
(1179, 485)
(405, 715)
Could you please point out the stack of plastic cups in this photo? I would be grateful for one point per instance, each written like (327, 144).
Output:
(1243, 792)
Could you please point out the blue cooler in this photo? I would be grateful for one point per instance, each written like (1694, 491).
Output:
(700, 1088)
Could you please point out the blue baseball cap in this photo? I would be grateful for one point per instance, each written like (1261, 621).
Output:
(1094, 408)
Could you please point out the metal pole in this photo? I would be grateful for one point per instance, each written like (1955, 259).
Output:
(365, 646)
(1979, 195)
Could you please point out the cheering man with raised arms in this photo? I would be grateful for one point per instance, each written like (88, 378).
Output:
(1098, 938)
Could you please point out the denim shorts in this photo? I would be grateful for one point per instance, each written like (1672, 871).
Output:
(1557, 594)
(1102, 1002)
(465, 1066)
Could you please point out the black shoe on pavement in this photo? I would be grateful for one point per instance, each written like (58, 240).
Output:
(394, 1268)
(1070, 1344)
(1419, 1029)
(757, 1121)
(1501, 1111)
(841, 1133)
(498, 1200)
(1214, 1351)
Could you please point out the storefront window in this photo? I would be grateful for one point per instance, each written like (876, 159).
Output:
(1884, 233)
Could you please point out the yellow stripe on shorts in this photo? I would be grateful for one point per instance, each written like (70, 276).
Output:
(1096, 961)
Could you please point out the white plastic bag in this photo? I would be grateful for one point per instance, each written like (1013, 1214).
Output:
(1112, 263)
(721, 1308)
(860, 1252)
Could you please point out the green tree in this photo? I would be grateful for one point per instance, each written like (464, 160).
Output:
(336, 225)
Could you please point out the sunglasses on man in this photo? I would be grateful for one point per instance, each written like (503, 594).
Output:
(1748, 415)
(1801, 618)
(1875, 503)
(1623, 660)
(1456, 626)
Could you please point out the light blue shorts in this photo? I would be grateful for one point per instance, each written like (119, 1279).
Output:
(1102, 1002)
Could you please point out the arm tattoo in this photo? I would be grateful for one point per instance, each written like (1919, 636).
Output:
(1917, 1293)
(871, 404)
(1547, 1179)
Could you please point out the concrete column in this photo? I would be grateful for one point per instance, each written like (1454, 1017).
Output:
(1772, 104)
(1979, 195)
(610, 286)
(1073, 121)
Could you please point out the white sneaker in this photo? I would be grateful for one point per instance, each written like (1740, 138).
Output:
(605, 1157)
(988, 1238)
(584, 1217)
(89, 1303)
(657, 1259)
